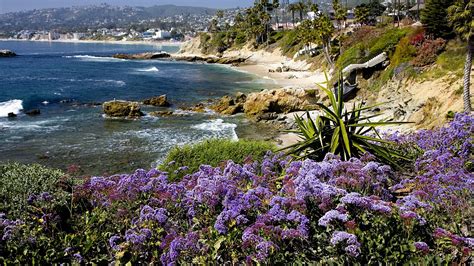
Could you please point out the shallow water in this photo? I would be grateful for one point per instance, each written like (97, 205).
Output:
(60, 79)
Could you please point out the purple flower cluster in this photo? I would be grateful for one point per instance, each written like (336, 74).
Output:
(260, 208)
(352, 246)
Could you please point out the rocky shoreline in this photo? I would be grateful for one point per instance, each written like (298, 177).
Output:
(182, 57)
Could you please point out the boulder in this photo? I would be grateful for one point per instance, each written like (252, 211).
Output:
(161, 101)
(33, 112)
(7, 53)
(122, 109)
(280, 101)
(11, 115)
(161, 113)
(230, 106)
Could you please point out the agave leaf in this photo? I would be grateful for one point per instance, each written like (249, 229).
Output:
(331, 115)
(335, 140)
(345, 137)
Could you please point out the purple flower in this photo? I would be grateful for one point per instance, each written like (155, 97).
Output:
(341, 236)
(352, 250)
(77, 257)
(113, 242)
(331, 216)
(148, 213)
(422, 246)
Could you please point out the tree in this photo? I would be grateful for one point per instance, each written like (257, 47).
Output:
(293, 8)
(339, 12)
(301, 7)
(220, 13)
(435, 18)
(320, 31)
(362, 14)
(461, 16)
(275, 6)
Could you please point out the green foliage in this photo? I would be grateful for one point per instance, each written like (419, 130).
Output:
(212, 152)
(371, 46)
(18, 182)
(461, 16)
(451, 61)
(345, 133)
(290, 43)
(435, 18)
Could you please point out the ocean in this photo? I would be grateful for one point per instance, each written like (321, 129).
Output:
(66, 80)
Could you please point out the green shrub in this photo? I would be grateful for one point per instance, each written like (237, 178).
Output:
(290, 43)
(18, 182)
(212, 152)
(371, 46)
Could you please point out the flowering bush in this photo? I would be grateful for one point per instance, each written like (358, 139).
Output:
(274, 211)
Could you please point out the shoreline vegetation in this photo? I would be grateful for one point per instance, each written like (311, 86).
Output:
(345, 192)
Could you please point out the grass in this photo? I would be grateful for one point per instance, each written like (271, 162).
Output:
(449, 62)
(212, 152)
(365, 49)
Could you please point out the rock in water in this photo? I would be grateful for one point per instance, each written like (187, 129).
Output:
(7, 53)
(143, 56)
(33, 112)
(11, 115)
(161, 101)
(122, 109)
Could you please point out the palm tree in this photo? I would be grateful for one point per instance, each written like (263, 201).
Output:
(275, 6)
(301, 7)
(461, 18)
(293, 8)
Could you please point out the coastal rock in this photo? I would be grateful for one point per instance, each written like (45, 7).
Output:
(161, 101)
(230, 106)
(11, 115)
(210, 59)
(161, 113)
(7, 53)
(122, 109)
(280, 101)
(33, 112)
(143, 56)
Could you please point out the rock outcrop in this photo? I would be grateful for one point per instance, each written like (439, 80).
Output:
(143, 56)
(230, 106)
(161, 101)
(122, 109)
(280, 101)
(7, 53)
(210, 59)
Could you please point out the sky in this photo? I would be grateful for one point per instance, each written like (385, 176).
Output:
(18, 5)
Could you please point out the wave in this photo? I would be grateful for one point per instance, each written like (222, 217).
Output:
(93, 58)
(12, 106)
(218, 125)
(150, 69)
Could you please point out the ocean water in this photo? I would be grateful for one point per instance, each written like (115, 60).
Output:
(64, 79)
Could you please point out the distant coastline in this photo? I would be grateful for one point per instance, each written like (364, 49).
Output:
(155, 43)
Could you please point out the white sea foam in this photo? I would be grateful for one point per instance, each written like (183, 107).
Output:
(12, 106)
(150, 69)
(218, 125)
(94, 58)
(45, 102)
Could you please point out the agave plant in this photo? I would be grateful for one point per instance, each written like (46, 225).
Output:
(342, 132)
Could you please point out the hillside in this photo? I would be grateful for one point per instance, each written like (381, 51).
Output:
(96, 16)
